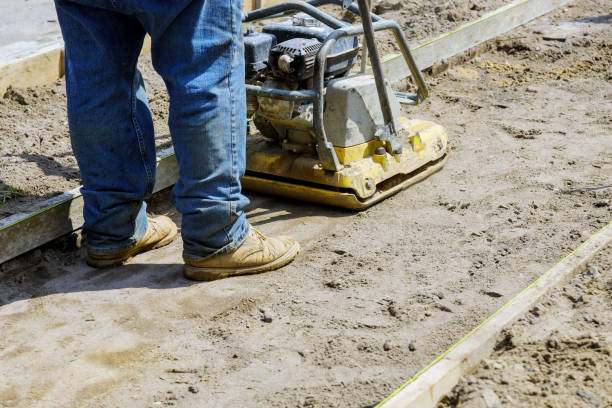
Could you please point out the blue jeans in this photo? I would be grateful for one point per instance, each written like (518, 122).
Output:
(197, 49)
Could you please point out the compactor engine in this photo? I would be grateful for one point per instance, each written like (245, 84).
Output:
(324, 131)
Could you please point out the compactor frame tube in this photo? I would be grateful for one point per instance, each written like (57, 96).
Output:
(325, 150)
(295, 96)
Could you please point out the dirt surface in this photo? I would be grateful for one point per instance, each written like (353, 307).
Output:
(556, 356)
(36, 156)
(374, 296)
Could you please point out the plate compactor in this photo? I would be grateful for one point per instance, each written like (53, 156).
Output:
(324, 133)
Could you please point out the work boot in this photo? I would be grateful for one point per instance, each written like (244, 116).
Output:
(257, 254)
(160, 232)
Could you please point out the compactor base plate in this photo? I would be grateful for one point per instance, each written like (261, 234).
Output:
(366, 177)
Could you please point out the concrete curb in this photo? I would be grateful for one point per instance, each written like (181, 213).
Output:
(31, 64)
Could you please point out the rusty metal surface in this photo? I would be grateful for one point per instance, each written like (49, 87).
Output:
(338, 198)
(359, 174)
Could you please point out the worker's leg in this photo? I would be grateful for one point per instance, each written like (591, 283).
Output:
(199, 55)
(110, 123)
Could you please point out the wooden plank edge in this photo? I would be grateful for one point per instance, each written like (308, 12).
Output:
(439, 377)
(469, 35)
(37, 65)
(42, 66)
(63, 214)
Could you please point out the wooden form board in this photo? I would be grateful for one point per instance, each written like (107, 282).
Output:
(25, 64)
(63, 214)
(40, 226)
(439, 377)
(32, 64)
(469, 35)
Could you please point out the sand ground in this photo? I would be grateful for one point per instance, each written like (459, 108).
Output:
(556, 356)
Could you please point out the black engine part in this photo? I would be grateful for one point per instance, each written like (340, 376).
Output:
(294, 59)
(302, 29)
(343, 54)
(257, 51)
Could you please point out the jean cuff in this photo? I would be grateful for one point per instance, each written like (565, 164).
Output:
(231, 247)
(141, 226)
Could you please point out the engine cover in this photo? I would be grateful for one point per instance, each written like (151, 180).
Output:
(303, 26)
(294, 59)
(352, 110)
(256, 51)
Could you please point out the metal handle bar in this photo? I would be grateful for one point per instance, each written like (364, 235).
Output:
(327, 155)
(352, 8)
(325, 149)
(278, 10)
(292, 5)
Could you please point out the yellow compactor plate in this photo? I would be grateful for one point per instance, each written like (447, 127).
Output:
(365, 179)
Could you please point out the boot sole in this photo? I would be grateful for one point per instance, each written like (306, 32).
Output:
(109, 263)
(210, 274)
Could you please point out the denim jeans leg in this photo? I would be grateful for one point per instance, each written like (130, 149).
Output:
(110, 123)
(199, 54)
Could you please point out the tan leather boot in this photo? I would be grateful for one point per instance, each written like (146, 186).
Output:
(160, 232)
(257, 253)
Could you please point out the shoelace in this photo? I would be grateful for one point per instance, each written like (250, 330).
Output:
(262, 247)
(259, 234)
(154, 226)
